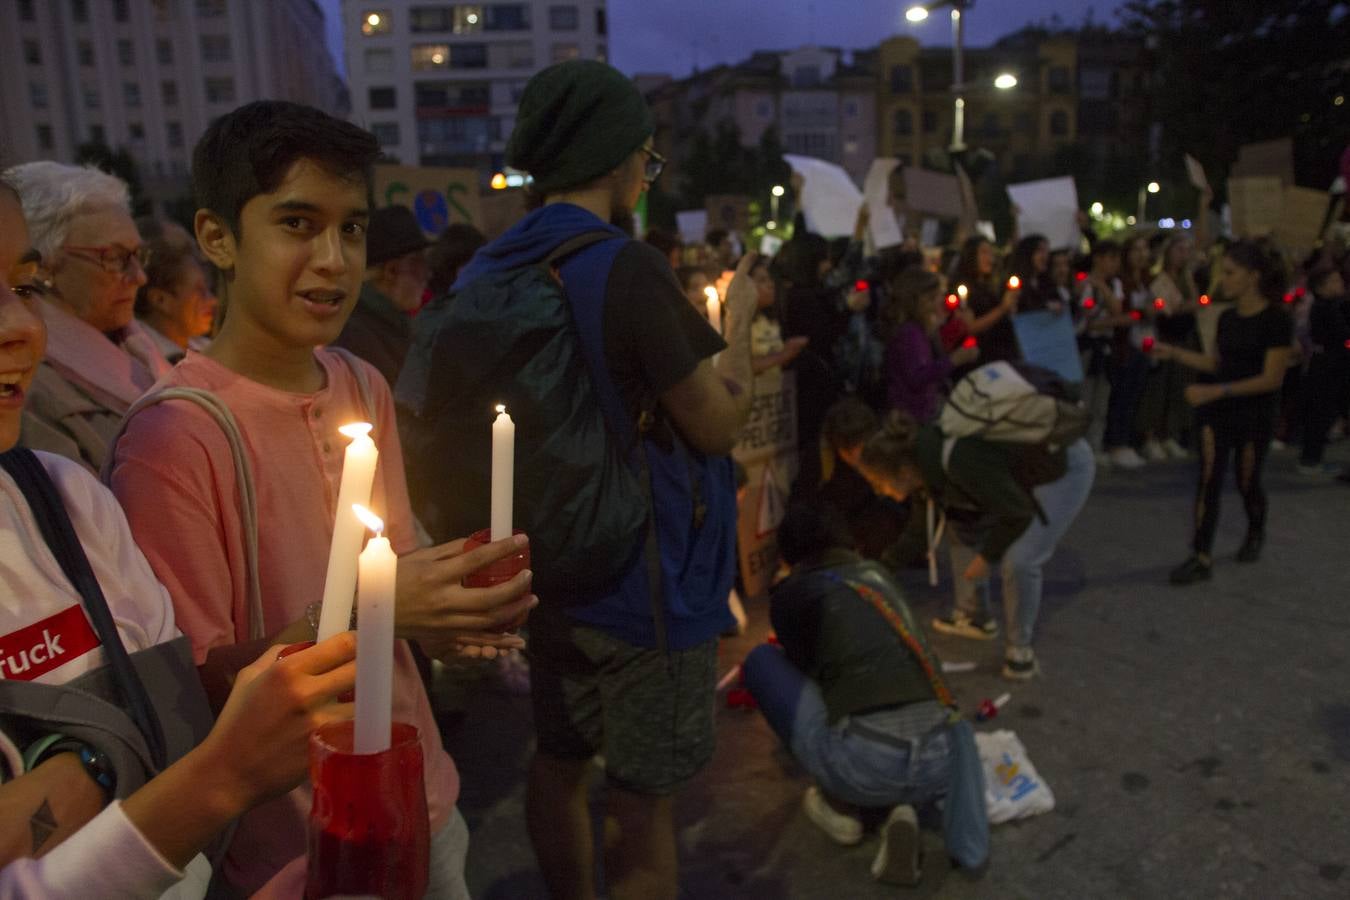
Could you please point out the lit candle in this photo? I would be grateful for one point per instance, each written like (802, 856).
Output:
(503, 474)
(358, 476)
(714, 308)
(378, 568)
(1014, 283)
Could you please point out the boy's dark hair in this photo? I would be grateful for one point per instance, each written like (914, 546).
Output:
(248, 152)
(809, 528)
(1104, 248)
(849, 423)
(454, 247)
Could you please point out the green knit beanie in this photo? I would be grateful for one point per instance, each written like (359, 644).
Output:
(578, 120)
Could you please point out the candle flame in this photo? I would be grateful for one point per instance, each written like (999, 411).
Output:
(369, 519)
(1014, 283)
(962, 291)
(501, 408)
(711, 293)
(356, 430)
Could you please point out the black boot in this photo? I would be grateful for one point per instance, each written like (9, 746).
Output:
(1191, 571)
(1251, 547)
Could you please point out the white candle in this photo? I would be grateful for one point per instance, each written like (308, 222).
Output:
(503, 474)
(714, 308)
(358, 476)
(378, 568)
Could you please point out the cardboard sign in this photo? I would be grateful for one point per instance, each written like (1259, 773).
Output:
(1273, 159)
(1258, 204)
(438, 196)
(772, 427)
(1195, 172)
(1048, 207)
(1300, 221)
(882, 221)
(935, 193)
(768, 451)
(829, 198)
(729, 211)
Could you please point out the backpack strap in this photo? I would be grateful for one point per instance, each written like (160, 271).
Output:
(243, 476)
(44, 499)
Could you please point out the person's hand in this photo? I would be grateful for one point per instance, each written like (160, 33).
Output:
(262, 735)
(964, 355)
(1011, 297)
(857, 301)
(978, 570)
(432, 605)
(792, 348)
(1200, 394)
(473, 646)
(860, 224)
(742, 295)
(1163, 352)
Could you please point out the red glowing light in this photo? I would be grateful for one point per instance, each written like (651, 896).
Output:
(1289, 297)
(861, 286)
(1148, 345)
(1347, 345)
(971, 342)
(1204, 300)
(1159, 303)
(1014, 283)
(1300, 291)
(1089, 303)
(1136, 315)
(953, 301)
(1081, 276)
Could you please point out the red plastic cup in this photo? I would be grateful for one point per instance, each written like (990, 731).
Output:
(369, 834)
(499, 571)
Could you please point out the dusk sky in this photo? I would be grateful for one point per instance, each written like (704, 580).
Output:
(667, 35)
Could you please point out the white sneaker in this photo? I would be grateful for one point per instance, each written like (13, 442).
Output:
(1154, 452)
(897, 860)
(842, 829)
(1175, 450)
(1126, 458)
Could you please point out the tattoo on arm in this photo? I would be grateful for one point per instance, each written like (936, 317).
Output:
(42, 825)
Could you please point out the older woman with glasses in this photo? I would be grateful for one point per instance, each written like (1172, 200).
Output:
(99, 360)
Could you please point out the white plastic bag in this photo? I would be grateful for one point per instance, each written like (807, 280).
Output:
(1012, 787)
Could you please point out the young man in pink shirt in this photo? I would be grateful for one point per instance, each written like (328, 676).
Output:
(283, 194)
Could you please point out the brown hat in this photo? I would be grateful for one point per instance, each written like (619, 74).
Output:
(393, 232)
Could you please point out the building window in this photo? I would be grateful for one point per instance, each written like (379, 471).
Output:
(164, 52)
(126, 53)
(429, 57)
(460, 98)
(375, 21)
(379, 61)
(511, 55)
(601, 53)
(120, 11)
(467, 19)
(91, 99)
(850, 145)
(851, 109)
(1059, 123)
(507, 17)
(516, 90)
(84, 53)
(32, 53)
(904, 123)
(215, 47)
(1022, 122)
(564, 52)
(806, 77)
(173, 133)
(1059, 80)
(210, 9)
(386, 133)
(37, 95)
(131, 94)
(44, 138)
(383, 98)
(168, 93)
(220, 90)
(425, 19)
(97, 135)
(26, 11)
(929, 121)
(564, 18)
(601, 22)
(136, 131)
(902, 80)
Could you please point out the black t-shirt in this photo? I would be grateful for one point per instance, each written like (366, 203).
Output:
(1000, 341)
(654, 338)
(1243, 341)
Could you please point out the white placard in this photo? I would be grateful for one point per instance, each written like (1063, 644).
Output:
(1048, 207)
(829, 200)
(693, 225)
(882, 221)
(1195, 172)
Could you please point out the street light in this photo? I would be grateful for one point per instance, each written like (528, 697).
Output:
(778, 190)
(916, 13)
(1097, 208)
(775, 193)
(919, 13)
(1006, 82)
(1154, 187)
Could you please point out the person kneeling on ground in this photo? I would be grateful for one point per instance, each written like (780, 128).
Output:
(853, 692)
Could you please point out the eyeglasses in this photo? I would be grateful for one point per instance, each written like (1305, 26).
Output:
(113, 259)
(656, 163)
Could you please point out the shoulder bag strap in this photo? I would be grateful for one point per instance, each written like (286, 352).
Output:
(57, 530)
(243, 476)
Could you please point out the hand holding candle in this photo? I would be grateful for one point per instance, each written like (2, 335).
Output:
(358, 477)
(714, 308)
(378, 573)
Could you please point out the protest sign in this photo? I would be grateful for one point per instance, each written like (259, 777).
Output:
(829, 198)
(932, 192)
(882, 220)
(1047, 340)
(438, 196)
(767, 450)
(1048, 207)
(693, 225)
(729, 211)
(1195, 172)
(1257, 203)
(1299, 223)
(1274, 159)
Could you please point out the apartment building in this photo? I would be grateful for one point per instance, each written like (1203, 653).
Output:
(149, 75)
(439, 83)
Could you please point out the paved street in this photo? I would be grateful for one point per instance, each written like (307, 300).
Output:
(1197, 740)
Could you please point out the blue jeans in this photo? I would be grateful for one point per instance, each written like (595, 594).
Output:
(1024, 563)
(877, 759)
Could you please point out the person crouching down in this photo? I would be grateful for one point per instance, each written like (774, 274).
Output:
(853, 692)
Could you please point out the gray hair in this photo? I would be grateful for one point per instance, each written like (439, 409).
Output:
(53, 194)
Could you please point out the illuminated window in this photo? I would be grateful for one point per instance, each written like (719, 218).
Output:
(428, 57)
(564, 52)
(468, 19)
(375, 21)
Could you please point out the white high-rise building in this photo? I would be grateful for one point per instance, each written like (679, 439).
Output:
(149, 75)
(438, 83)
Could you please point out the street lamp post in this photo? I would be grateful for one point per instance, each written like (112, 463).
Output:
(918, 14)
(774, 196)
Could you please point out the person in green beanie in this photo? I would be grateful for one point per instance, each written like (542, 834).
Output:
(624, 673)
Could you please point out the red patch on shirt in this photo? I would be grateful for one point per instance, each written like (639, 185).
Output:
(37, 649)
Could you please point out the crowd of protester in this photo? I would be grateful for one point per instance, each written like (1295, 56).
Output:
(213, 425)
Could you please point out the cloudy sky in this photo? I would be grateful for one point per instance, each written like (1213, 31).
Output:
(669, 35)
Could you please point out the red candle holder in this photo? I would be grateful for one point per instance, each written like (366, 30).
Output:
(369, 834)
(497, 572)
